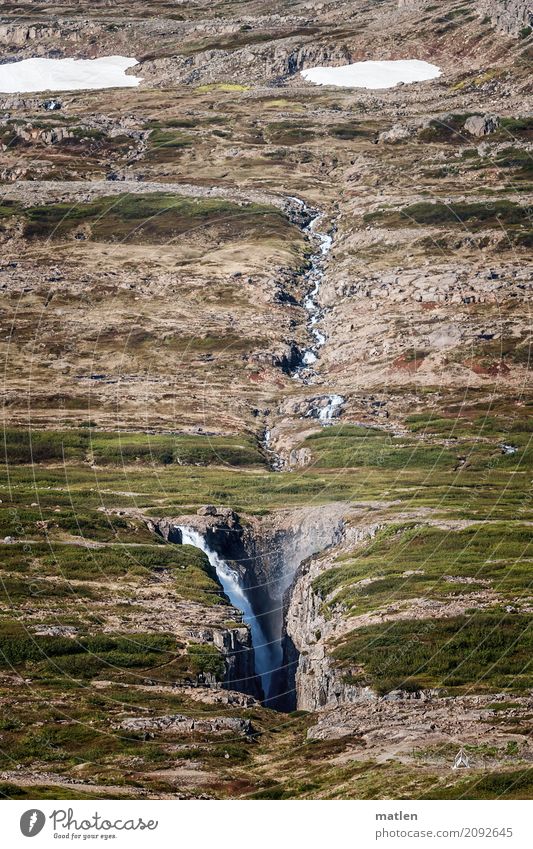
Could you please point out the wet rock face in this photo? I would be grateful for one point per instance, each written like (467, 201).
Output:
(236, 646)
(508, 16)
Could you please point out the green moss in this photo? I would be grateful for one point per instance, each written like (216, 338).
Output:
(350, 130)
(479, 653)
(166, 144)
(449, 129)
(52, 791)
(225, 87)
(520, 128)
(289, 133)
(206, 659)
(148, 218)
(520, 161)
(85, 656)
(351, 446)
(511, 784)
(476, 215)
(124, 448)
(495, 554)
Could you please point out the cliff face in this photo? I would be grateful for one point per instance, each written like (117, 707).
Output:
(317, 684)
(235, 644)
(508, 16)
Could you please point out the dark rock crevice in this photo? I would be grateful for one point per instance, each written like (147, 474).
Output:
(265, 553)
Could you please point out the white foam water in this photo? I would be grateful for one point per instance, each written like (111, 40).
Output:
(266, 657)
(315, 276)
(327, 413)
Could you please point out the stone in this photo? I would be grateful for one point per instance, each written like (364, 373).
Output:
(481, 125)
(395, 134)
(187, 724)
(207, 510)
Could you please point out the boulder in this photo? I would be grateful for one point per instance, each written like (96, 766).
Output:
(208, 510)
(395, 134)
(481, 125)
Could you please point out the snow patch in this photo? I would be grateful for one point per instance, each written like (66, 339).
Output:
(67, 74)
(384, 74)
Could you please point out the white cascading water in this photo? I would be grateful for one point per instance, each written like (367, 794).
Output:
(315, 276)
(266, 654)
(326, 414)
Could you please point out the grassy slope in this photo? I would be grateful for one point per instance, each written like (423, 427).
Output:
(65, 722)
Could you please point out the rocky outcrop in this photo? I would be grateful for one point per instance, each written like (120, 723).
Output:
(390, 728)
(459, 285)
(508, 16)
(177, 723)
(284, 59)
(17, 35)
(308, 631)
(20, 35)
(397, 133)
(49, 135)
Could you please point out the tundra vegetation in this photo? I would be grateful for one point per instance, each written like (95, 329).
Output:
(153, 273)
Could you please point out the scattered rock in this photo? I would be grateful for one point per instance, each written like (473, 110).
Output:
(395, 134)
(187, 725)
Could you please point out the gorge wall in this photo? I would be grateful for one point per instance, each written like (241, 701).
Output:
(266, 554)
(316, 682)
(508, 16)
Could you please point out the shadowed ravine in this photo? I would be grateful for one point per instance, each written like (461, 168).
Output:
(256, 562)
(267, 654)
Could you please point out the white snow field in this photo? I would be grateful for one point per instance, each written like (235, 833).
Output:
(384, 74)
(66, 74)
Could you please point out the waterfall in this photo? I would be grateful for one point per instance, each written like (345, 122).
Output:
(267, 656)
(327, 413)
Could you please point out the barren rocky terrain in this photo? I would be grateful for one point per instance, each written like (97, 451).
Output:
(294, 319)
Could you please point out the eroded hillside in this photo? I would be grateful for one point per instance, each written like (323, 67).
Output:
(294, 319)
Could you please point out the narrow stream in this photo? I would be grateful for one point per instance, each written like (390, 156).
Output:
(268, 656)
(315, 276)
(304, 371)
